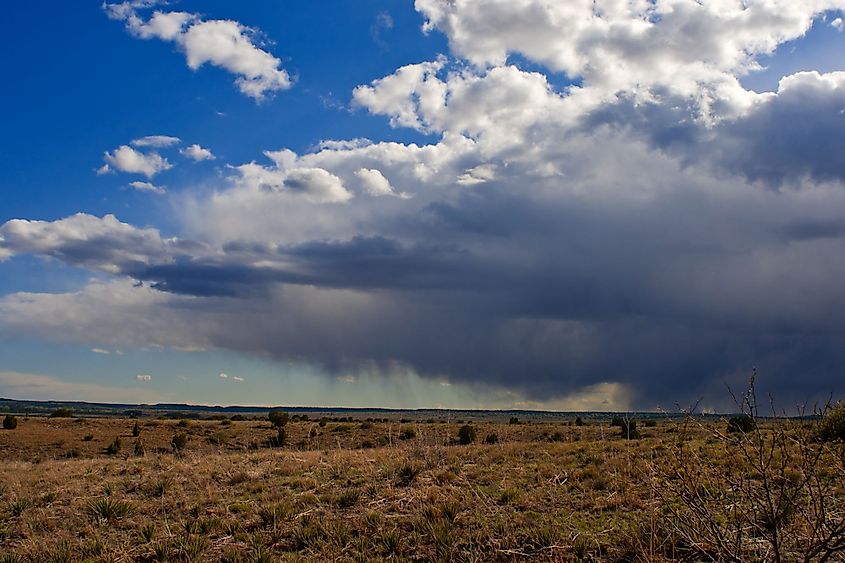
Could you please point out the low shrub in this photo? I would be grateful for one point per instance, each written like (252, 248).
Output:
(179, 441)
(278, 418)
(491, 439)
(10, 422)
(114, 447)
(136, 430)
(831, 427)
(408, 434)
(61, 413)
(741, 423)
(628, 430)
(466, 434)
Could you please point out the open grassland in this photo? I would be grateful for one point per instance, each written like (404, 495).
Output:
(386, 490)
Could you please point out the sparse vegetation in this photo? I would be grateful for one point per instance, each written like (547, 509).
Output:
(546, 491)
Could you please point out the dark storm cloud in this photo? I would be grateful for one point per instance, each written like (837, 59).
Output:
(789, 137)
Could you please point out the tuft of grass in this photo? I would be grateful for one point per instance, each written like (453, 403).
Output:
(61, 553)
(509, 495)
(17, 507)
(109, 509)
(273, 515)
(390, 541)
(347, 498)
(147, 533)
(162, 550)
(308, 535)
(160, 487)
(407, 474)
(191, 547)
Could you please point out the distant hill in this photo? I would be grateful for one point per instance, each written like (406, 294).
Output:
(84, 408)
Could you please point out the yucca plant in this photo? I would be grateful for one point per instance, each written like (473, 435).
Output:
(109, 509)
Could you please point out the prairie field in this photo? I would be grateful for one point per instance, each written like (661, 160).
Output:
(379, 489)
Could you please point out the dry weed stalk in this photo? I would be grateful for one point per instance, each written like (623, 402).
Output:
(774, 493)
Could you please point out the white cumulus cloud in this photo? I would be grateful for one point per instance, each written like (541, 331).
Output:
(126, 159)
(226, 44)
(375, 184)
(197, 153)
(147, 187)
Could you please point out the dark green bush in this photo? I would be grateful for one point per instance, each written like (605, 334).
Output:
(491, 439)
(278, 418)
(179, 441)
(579, 421)
(114, 447)
(10, 422)
(466, 434)
(513, 420)
(617, 421)
(408, 434)
(628, 429)
(136, 430)
(831, 427)
(742, 423)
(61, 413)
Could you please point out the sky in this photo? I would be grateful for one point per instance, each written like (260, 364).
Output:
(585, 205)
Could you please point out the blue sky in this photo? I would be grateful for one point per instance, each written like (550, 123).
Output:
(501, 241)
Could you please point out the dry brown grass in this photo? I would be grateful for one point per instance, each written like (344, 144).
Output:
(588, 495)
